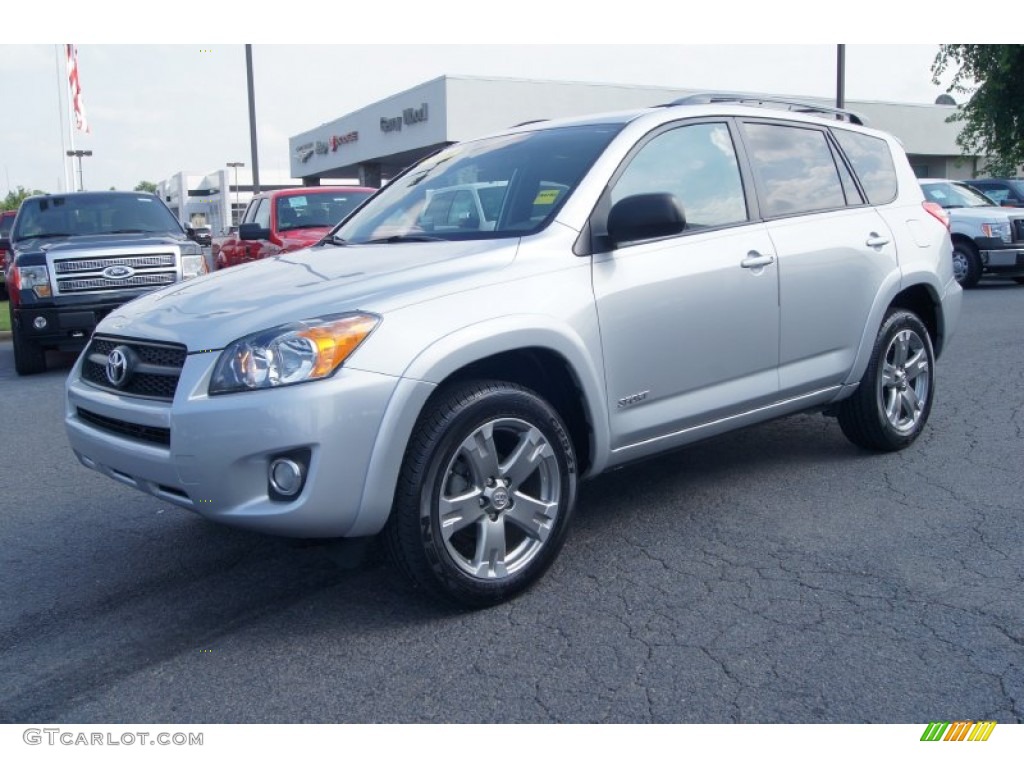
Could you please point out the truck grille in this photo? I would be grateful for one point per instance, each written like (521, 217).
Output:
(157, 435)
(140, 271)
(155, 368)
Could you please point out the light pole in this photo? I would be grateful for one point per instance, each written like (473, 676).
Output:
(234, 208)
(80, 153)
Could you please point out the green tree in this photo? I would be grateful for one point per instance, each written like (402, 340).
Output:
(14, 198)
(146, 186)
(993, 116)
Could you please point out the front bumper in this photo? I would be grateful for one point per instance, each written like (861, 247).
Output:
(218, 449)
(1003, 260)
(67, 325)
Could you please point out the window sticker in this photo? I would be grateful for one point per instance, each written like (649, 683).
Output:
(299, 201)
(546, 197)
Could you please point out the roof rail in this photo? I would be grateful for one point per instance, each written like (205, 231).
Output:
(759, 100)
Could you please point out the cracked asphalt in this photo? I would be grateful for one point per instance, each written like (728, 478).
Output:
(776, 574)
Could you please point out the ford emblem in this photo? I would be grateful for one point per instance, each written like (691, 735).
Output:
(118, 272)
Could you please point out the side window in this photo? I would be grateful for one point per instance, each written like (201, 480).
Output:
(697, 164)
(250, 212)
(797, 171)
(994, 191)
(262, 215)
(872, 162)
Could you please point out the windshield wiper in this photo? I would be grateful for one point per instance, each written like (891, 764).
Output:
(406, 239)
(333, 240)
(45, 235)
(128, 231)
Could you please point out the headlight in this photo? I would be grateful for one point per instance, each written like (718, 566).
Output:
(1000, 230)
(34, 279)
(290, 354)
(192, 262)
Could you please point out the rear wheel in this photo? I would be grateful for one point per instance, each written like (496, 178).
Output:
(485, 494)
(29, 357)
(966, 264)
(891, 406)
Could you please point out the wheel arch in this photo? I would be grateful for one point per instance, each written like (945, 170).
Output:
(550, 361)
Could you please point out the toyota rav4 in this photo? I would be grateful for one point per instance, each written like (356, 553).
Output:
(632, 283)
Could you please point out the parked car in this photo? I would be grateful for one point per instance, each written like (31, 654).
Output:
(1004, 192)
(201, 234)
(78, 256)
(987, 239)
(649, 278)
(6, 222)
(286, 220)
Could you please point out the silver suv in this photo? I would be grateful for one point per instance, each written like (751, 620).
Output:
(642, 280)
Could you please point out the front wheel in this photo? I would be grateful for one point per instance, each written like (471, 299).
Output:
(485, 494)
(891, 406)
(966, 264)
(29, 357)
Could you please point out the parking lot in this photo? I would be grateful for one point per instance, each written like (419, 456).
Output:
(772, 575)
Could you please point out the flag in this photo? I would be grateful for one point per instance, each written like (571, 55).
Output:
(75, 87)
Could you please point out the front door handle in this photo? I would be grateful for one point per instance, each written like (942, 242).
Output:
(755, 260)
(875, 240)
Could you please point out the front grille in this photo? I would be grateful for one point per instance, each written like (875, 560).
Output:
(157, 367)
(85, 274)
(99, 264)
(72, 285)
(157, 435)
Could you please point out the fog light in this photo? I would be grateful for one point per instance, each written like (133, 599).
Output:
(39, 323)
(286, 476)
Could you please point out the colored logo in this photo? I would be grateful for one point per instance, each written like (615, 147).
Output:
(118, 272)
(960, 730)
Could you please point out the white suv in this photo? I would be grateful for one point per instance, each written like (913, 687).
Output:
(634, 282)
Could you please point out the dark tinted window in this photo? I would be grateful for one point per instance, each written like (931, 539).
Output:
(93, 214)
(697, 164)
(6, 221)
(872, 162)
(797, 171)
(316, 209)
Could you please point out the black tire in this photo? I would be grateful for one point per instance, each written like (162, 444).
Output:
(891, 406)
(967, 266)
(495, 420)
(29, 358)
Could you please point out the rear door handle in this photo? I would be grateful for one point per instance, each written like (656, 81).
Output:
(755, 260)
(875, 240)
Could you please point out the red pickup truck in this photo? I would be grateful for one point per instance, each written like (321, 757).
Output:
(286, 220)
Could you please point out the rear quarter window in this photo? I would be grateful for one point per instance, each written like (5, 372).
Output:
(872, 162)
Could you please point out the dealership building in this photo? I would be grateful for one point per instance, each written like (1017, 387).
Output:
(377, 141)
(374, 143)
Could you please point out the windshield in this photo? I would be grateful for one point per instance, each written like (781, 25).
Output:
(950, 195)
(93, 214)
(504, 186)
(316, 209)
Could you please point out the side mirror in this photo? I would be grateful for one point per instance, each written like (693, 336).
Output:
(645, 217)
(253, 231)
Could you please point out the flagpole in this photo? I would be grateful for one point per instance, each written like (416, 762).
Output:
(60, 121)
(71, 109)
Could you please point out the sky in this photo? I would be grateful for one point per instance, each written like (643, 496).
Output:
(160, 101)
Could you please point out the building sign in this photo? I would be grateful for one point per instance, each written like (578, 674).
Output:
(348, 138)
(304, 151)
(409, 116)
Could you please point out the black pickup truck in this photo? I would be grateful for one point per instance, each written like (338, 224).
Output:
(78, 256)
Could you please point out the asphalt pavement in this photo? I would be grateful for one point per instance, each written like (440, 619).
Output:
(776, 574)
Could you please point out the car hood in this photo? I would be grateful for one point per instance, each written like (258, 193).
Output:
(983, 213)
(293, 239)
(59, 246)
(212, 311)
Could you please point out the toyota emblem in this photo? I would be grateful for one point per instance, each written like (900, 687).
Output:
(118, 368)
